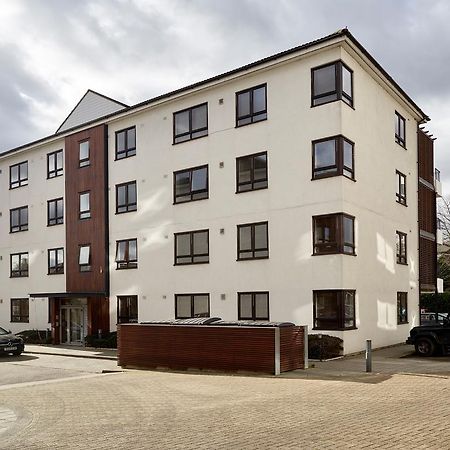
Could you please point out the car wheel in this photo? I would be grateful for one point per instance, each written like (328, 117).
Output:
(425, 347)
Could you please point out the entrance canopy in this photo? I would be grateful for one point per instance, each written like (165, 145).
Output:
(68, 294)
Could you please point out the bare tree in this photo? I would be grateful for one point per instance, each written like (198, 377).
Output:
(443, 215)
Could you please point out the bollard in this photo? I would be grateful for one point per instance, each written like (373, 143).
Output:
(368, 355)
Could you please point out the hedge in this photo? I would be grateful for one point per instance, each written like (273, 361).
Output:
(439, 303)
(325, 347)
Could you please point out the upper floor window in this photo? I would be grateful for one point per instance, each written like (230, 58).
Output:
(126, 143)
(192, 247)
(20, 310)
(400, 129)
(253, 306)
(190, 123)
(85, 205)
(84, 154)
(401, 188)
(55, 212)
(126, 197)
(55, 164)
(191, 305)
(333, 156)
(18, 219)
(402, 308)
(251, 172)
(18, 175)
(251, 105)
(334, 310)
(84, 258)
(253, 241)
(19, 265)
(401, 248)
(190, 184)
(334, 233)
(127, 309)
(126, 254)
(55, 261)
(332, 82)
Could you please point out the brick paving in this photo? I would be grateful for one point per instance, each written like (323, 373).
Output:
(161, 410)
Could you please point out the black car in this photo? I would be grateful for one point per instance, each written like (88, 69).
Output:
(10, 343)
(432, 337)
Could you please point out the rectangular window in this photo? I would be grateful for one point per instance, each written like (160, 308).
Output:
(251, 105)
(253, 241)
(55, 164)
(55, 261)
(18, 175)
(85, 205)
(333, 156)
(401, 248)
(192, 247)
(334, 310)
(126, 143)
(190, 184)
(190, 123)
(19, 265)
(253, 305)
(126, 254)
(401, 188)
(18, 219)
(127, 309)
(126, 197)
(84, 153)
(334, 233)
(400, 129)
(20, 310)
(332, 82)
(55, 212)
(191, 305)
(84, 258)
(402, 308)
(251, 172)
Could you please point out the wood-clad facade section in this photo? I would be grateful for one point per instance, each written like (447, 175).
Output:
(224, 348)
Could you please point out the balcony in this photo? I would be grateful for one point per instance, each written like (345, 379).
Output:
(437, 182)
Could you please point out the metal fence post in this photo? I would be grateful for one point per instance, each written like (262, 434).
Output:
(305, 347)
(368, 355)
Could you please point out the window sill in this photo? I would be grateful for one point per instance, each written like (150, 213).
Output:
(251, 123)
(190, 201)
(125, 157)
(251, 190)
(403, 323)
(191, 264)
(403, 146)
(18, 231)
(191, 139)
(402, 263)
(126, 212)
(56, 176)
(55, 273)
(335, 329)
(126, 268)
(320, 177)
(333, 101)
(400, 203)
(17, 187)
(333, 253)
(56, 224)
(252, 259)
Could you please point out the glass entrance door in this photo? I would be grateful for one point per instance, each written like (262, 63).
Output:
(72, 325)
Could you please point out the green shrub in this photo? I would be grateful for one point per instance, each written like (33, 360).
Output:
(436, 302)
(108, 340)
(36, 336)
(325, 347)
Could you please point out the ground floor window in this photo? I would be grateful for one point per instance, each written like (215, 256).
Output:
(253, 306)
(402, 308)
(191, 305)
(127, 309)
(20, 310)
(334, 310)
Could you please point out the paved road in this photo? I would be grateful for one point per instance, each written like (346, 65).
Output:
(158, 410)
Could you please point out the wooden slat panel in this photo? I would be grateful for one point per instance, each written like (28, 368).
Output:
(426, 157)
(427, 264)
(427, 209)
(291, 348)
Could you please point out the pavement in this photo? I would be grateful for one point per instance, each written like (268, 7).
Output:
(76, 352)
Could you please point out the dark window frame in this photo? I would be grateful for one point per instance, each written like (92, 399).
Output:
(129, 318)
(253, 294)
(20, 273)
(252, 181)
(84, 162)
(193, 295)
(191, 192)
(129, 151)
(402, 301)
(126, 263)
(21, 181)
(252, 115)
(58, 220)
(23, 317)
(191, 131)
(85, 267)
(401, 248)
(59, 266)
(191, 255)
(253, 249)
(340, 167)
(340, 299)
(86, 213)
(339, 91)
(401, 198)
(400, 140)
(129, 206)
(340, 243)
(21, 226)
(58, 171)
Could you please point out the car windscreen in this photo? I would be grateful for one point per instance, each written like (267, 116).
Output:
(3, 331)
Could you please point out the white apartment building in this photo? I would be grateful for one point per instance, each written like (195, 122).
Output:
(284, 190)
